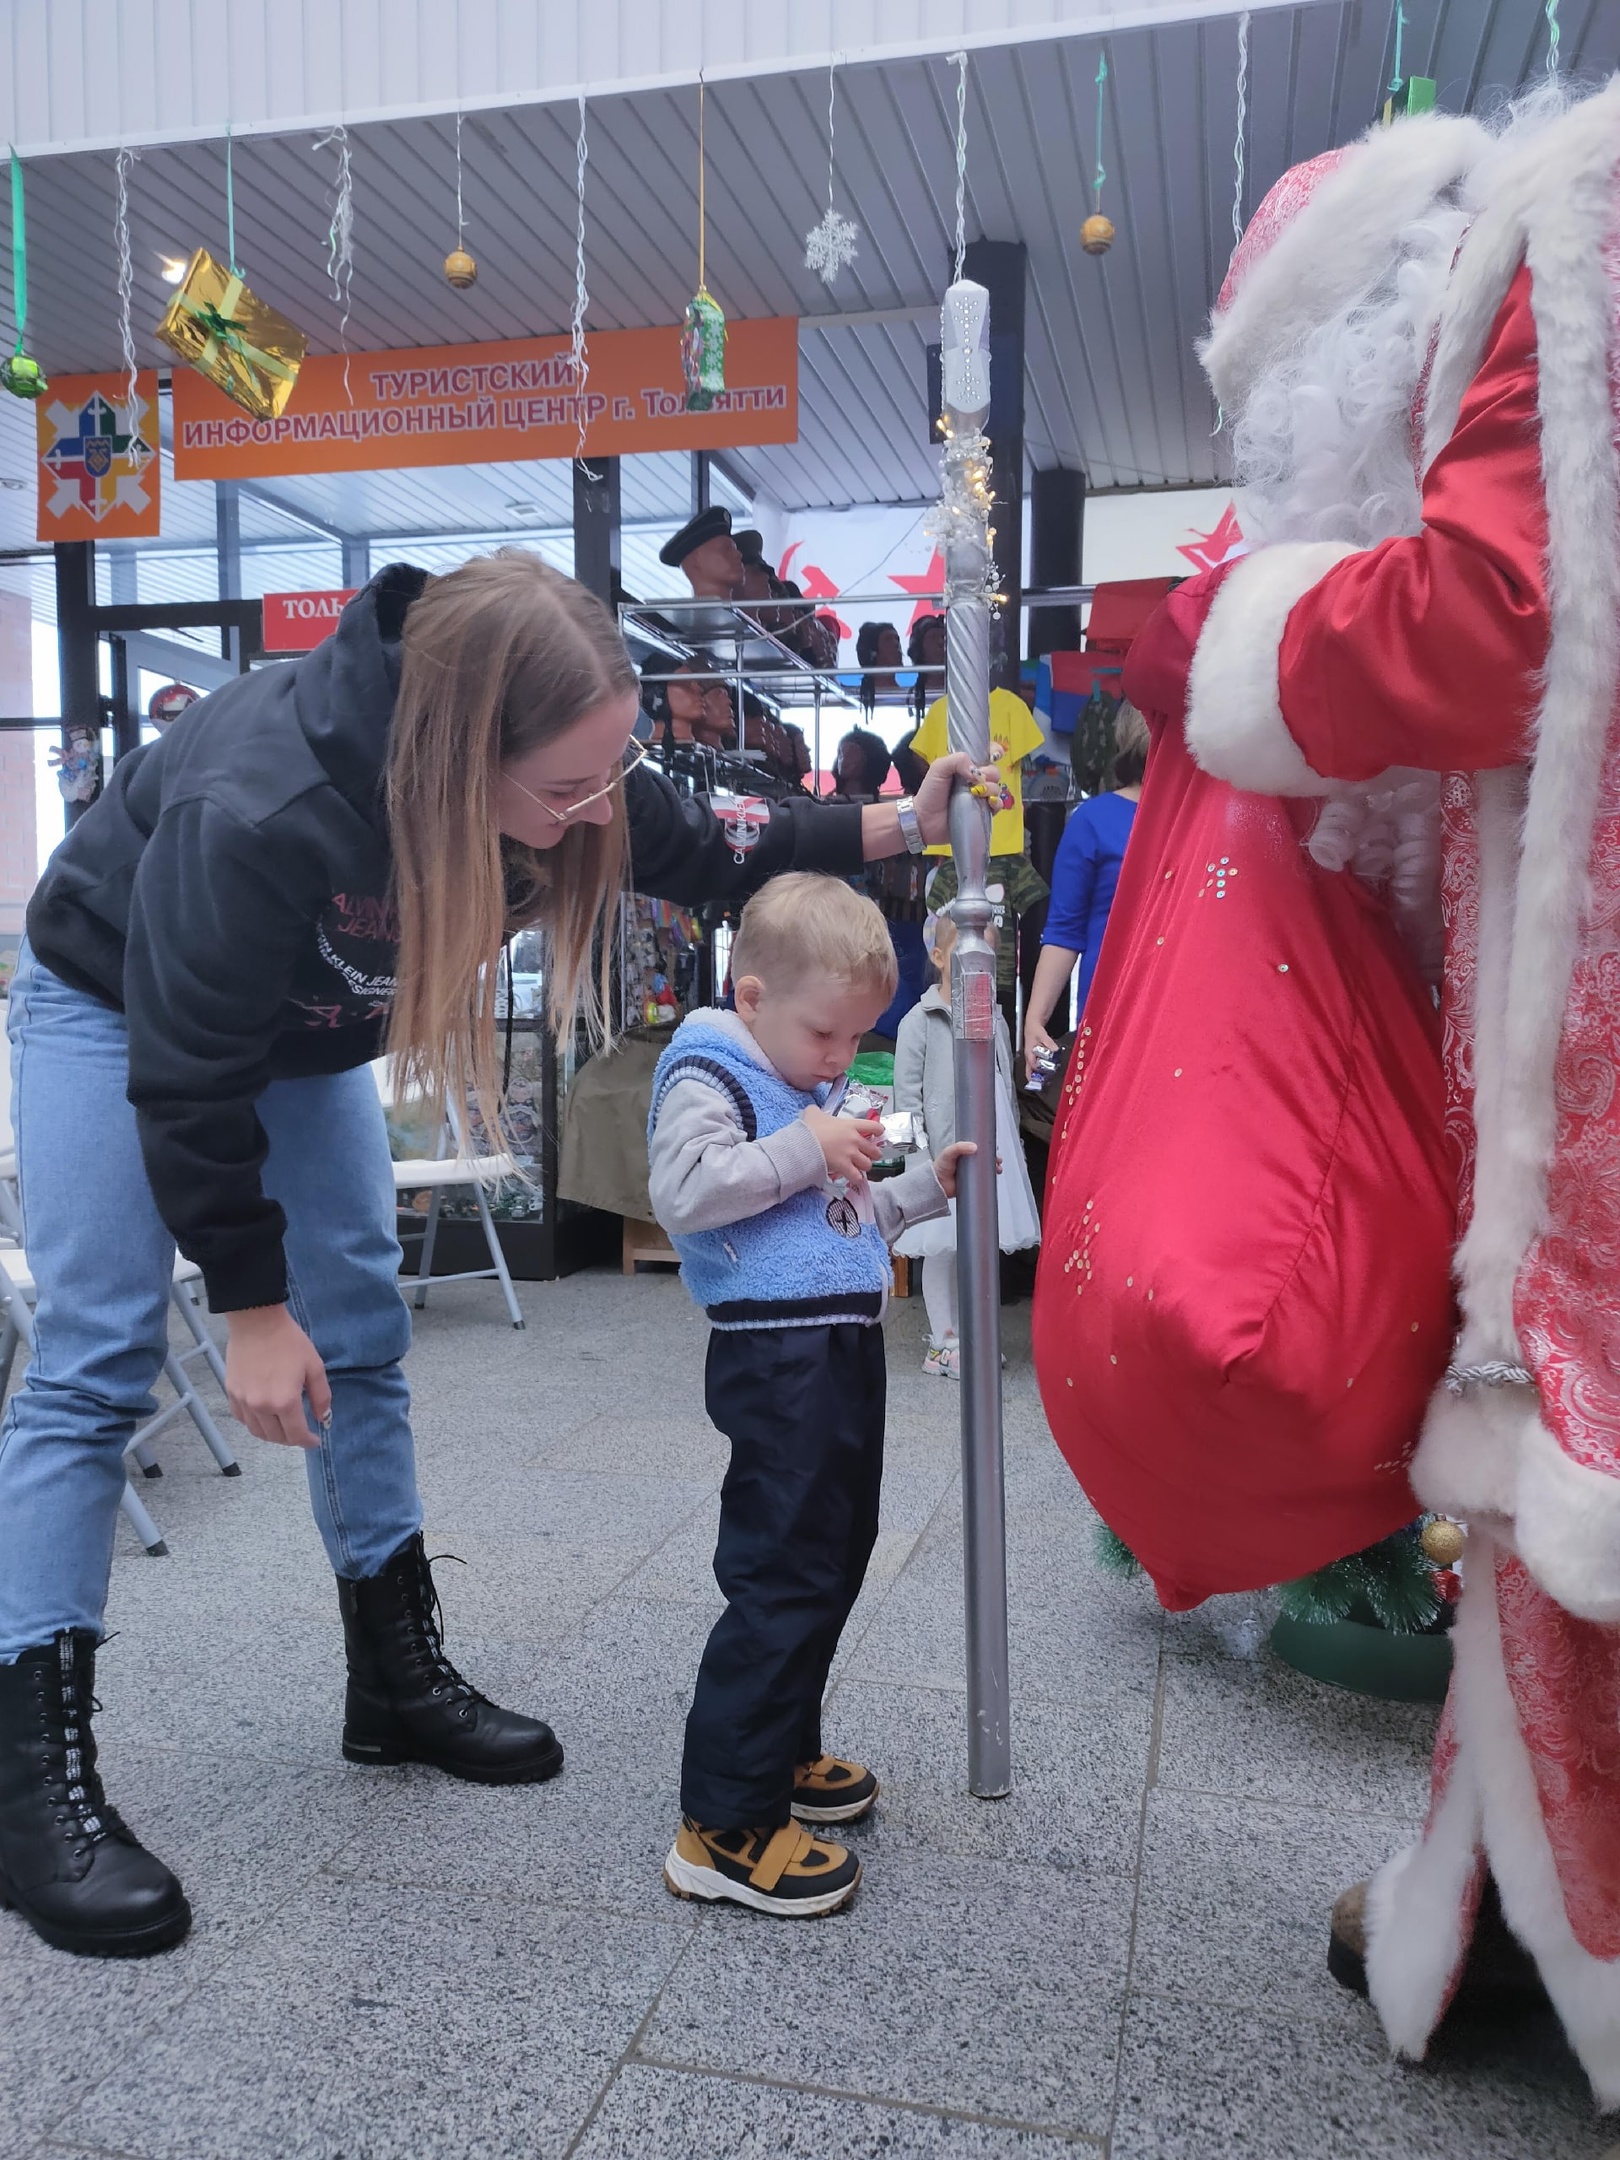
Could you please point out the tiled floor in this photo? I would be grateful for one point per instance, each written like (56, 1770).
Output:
(1124, 1957)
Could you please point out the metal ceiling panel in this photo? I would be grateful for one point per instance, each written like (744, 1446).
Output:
(1112, 381)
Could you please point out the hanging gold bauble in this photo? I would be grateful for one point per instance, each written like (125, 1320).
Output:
(460, 269)
(1097, 234)
(1442, 1541)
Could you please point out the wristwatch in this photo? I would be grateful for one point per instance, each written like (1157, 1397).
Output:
(906, 811)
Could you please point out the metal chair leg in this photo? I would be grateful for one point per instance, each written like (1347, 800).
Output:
(141, 1450)
(424, 1264)
(142, 1524)
(185, 1296)
(498, 1257)
(197, 1410)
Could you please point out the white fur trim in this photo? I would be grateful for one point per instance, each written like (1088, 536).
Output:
(1567, 1526)
(1414, 1909)
(1414, 1919)
(1338, 246)
(1235, 727)
(1467, 1462)
(1552, 206)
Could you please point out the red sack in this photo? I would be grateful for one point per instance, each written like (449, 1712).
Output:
(1244, 1297)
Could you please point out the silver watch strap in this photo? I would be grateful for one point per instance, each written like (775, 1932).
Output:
(906, 811)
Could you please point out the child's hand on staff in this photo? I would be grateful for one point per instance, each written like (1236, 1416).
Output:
(849, 1146)
(945, 1163)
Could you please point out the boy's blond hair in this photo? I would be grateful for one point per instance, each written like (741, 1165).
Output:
(803, 923)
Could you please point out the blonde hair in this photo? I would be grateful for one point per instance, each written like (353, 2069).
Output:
(804, 922)
(499, 656)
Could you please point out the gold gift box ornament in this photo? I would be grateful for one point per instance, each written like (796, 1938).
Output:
(227, 333)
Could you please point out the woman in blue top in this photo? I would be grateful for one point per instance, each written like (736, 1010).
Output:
(1084, 875)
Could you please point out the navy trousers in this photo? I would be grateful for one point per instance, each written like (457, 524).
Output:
(803, 1410)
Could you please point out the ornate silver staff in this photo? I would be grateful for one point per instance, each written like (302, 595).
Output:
(963, 527)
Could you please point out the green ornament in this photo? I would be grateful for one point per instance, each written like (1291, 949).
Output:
(703, 351)
(24, 377)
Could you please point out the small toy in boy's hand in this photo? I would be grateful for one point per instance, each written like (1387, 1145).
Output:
(849, 1145)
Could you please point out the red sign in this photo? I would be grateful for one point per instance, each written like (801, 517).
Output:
(296, 621)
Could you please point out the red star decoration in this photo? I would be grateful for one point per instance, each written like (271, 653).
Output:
(1209, 550)
(932, 580)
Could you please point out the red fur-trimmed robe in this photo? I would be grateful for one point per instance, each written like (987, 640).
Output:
(1487, 648)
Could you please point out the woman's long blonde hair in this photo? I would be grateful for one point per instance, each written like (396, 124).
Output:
(499, 656)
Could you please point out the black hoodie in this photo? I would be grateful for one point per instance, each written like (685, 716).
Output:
(230, 892)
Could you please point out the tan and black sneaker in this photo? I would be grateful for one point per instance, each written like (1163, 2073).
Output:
(832, 1790)
(787, 1872)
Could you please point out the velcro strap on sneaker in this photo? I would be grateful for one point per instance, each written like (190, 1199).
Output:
(778, 1856)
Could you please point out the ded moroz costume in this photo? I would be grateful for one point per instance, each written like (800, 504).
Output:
(1477, 642)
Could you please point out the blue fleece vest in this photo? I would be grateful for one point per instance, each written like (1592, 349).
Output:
(807, 1262)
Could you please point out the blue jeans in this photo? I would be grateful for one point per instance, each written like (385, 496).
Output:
(102, 1261)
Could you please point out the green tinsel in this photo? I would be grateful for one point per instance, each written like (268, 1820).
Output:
(1114, 1556)
(1393, 1581)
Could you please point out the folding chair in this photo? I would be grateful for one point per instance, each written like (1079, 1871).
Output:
(451, 1172)
(17, 1296)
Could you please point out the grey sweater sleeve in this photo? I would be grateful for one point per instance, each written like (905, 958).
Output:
(915, 1196)
(705, 1172)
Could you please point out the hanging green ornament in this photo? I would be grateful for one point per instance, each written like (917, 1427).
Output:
(21, 375)
(703, 338)
(703, 351)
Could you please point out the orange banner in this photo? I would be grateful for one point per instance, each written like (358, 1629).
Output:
(487, 404)
(99, 468)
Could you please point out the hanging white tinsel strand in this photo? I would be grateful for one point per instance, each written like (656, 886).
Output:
(340, 240)
(126, 286)
(581, 359)
(1242, 126)
(960, 58)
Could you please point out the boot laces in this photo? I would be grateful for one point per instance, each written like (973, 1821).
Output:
(86, 1802)
(431, 1652)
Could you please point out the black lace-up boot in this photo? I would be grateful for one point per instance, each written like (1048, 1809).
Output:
(407, 1702)
(68, 1864)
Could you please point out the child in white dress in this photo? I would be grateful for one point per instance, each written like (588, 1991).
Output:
(925, 1081)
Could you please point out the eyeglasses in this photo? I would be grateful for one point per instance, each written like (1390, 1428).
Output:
(636, 755)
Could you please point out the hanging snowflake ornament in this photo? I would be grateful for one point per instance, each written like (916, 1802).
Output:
(831, 246)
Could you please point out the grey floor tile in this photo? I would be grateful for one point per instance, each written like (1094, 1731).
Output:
(1071, 1806)
(652, 2113)
(1225, 2081)
(1072, 1638)
(66, 2023)
(898, 1991)
(592, 1838)
(378, 2021)
(1254, 1726)
(247, 1840)
(680, 1444)
(1236, 1896)
(575, 1507)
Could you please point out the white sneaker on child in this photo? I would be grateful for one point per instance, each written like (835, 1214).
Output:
(943, 1361)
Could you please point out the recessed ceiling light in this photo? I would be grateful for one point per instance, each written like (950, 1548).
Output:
(172, 268)
(521, 509)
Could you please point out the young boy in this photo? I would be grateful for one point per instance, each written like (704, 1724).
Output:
(785, 1244)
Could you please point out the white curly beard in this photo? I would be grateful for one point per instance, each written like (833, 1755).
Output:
(830, 247)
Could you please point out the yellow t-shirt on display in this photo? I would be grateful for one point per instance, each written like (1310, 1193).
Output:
(1014, 733)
